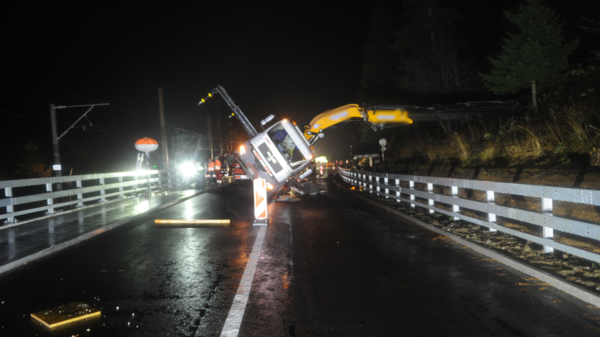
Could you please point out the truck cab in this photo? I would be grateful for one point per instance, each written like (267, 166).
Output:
(275, 154)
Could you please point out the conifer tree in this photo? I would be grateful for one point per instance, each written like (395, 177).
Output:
(535, 55)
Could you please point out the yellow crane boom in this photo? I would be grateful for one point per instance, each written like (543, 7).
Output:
(353, 112)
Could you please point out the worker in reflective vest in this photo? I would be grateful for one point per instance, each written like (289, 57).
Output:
(218, 169)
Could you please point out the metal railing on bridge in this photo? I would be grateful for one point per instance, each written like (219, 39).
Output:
(25, 197)
(389, 186)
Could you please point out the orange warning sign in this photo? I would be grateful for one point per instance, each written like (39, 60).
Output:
(260, 199)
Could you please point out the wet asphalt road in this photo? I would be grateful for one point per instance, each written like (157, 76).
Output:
(28, 238)
(330, 266)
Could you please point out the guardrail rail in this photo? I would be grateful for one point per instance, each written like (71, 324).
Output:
(75, 190)
(389, 186)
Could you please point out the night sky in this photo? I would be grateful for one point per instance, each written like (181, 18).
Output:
(295, 60)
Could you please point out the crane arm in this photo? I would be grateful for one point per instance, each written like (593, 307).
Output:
(378, 115)
(354, 113)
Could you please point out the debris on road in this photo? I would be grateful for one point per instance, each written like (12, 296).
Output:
(65, 314)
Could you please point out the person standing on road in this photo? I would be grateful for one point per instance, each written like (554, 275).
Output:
(218, 169)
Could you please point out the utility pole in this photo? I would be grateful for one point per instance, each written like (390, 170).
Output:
(56, 167)
(220, 139)
(55, 138)
(163, 127)
(210, 140)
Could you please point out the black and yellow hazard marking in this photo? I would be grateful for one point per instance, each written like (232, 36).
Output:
(65, 314)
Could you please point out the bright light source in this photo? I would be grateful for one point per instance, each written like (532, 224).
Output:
(269, 186)
(187, 169)
(309, 157)
(141, 207)
(284, 121)
(242, 150)
(321, 159)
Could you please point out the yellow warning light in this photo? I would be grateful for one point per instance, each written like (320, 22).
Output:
(312, 148)
(294, 123)
(269, 186)
(209, 94)
(242, 149)
(353, 188)
(203, 101)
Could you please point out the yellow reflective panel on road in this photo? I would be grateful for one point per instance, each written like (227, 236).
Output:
(65, 314)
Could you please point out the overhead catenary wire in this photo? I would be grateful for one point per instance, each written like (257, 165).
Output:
(94, 99)
(63, 123)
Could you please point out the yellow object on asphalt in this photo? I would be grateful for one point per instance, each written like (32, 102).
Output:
(65, 314)
(193, 222)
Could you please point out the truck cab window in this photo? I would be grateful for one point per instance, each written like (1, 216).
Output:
(286, 145)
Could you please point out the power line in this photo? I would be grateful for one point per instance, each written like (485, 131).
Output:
(93, 99)
(27, 116)
(64, 123)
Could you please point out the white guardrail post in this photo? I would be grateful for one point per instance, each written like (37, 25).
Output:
(9, 208)
(120, 187)
(79, 195)
(387, 190)
(430, 191)
(490, 202)
(411, 185)
(455, 208)
(398, 190)
(377, 182)
(50, 200)
(547, 232)
(102, 191)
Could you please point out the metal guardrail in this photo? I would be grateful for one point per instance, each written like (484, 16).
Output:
(388, 185)
(60, 190)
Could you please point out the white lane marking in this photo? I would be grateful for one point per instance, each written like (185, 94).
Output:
(236, 313)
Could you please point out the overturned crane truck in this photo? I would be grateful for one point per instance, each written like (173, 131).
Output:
(282, 152)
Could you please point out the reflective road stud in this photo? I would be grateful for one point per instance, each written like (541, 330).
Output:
(260, 202)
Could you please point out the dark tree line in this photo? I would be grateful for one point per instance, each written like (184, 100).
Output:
(420, 53)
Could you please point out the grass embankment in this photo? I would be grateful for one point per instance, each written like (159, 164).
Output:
(571, 132)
